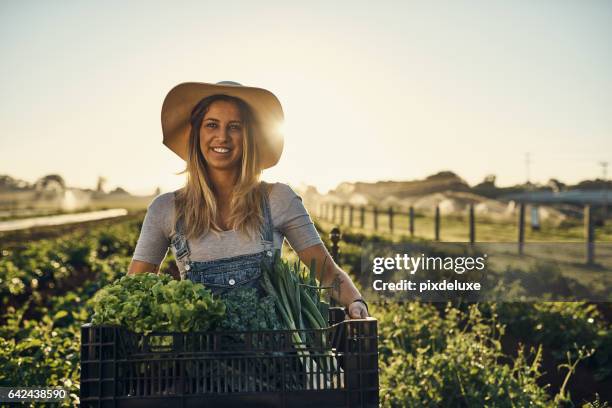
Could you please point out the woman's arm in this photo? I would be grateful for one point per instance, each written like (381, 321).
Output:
(153, 242)
(142, 267)
(294, 222)
(330, 274)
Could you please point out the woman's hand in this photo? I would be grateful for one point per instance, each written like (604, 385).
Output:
(358, 310)
(142, 267)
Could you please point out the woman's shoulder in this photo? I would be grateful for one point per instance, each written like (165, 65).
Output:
(280, 192)
(160, 212)
(162, 203)
(284, 203)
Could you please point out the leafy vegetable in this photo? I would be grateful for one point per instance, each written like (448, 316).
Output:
(246, 311)
(148, 302)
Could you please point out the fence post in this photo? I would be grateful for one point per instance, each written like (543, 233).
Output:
(437, 223)
(589, 233)
(521, 228)
(334, 207)
(391, 214)
(362, 217)
(334, 237)
(375, 218)
(342, 214)
(472, 225)
(350, 216)
(411, 220)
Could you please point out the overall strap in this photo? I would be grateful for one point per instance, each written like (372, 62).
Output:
(180, 241)
(178, 223)
(267, 228)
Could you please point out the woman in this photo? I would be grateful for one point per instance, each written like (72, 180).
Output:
(224, 216)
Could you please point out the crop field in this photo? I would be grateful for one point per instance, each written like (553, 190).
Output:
(433, 355)
(424, 349)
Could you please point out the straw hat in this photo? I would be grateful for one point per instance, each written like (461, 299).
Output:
(268, 112)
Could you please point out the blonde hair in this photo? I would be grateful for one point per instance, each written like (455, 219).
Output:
(196, 203)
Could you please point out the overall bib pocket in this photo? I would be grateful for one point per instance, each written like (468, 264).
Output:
(222, 281)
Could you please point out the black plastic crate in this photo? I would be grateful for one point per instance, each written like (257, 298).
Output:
(120, 368)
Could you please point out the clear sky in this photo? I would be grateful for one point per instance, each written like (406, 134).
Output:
(371, 90)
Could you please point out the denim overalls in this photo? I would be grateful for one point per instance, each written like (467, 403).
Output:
(223, 275)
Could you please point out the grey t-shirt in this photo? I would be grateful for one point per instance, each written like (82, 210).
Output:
(289, 217)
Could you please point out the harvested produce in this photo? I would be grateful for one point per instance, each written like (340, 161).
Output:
(147, 302)
(298, 298)
(298, 301)
(245, 310)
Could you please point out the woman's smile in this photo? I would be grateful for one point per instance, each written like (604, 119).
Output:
(221, 152)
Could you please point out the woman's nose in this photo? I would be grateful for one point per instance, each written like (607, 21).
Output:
(222, 134)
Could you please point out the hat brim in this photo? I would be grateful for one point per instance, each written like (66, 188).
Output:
(178, 104)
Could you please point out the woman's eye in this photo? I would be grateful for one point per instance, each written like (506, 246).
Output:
(235, 127)
(211, 125)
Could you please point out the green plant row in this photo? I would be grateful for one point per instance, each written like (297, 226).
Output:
(419, 369)
(44, 288)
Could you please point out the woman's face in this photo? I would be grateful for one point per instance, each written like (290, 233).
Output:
(221, 136)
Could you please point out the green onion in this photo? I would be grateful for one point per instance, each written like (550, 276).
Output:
(298, 301)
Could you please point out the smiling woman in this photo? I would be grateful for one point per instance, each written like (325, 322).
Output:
(225, 222)
(224, 168)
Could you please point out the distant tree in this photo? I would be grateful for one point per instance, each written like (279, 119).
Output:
(487, 187)
(597, 184)
(157, 191)
(488, 182)
(100, 185)
(556, 185)
(9, 183)
(119, 190)
(51, 182)
(442, 175)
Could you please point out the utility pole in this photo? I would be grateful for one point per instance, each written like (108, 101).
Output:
(527, 166)
(604, 168)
